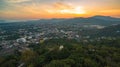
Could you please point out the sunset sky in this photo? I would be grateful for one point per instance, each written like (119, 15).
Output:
(37, 9)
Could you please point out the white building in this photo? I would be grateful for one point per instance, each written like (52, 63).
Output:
(23, 40)
(61, 47)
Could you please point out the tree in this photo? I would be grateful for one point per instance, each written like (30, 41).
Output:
(57, 63)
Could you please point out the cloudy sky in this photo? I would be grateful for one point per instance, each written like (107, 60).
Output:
(37, 9)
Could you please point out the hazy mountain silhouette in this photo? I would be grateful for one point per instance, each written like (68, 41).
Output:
(94, 20)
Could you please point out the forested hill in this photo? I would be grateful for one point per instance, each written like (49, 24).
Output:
(66, 53)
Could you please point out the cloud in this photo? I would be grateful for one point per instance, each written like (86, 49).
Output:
(61, 7)
(37, 10)
(55, 8)
(16, 1)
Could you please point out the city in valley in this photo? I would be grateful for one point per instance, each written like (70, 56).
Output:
(19, 35)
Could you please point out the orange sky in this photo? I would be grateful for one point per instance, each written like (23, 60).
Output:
(37, 9)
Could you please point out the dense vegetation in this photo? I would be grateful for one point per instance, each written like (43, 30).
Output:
(104, 53)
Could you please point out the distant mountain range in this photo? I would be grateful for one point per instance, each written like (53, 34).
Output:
(106, 18)
(94, 20)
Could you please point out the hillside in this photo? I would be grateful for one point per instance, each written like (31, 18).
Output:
(72, 53)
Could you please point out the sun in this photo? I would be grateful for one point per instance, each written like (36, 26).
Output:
(75, 10)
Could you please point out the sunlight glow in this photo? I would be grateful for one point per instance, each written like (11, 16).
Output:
(76, 10)
(37, 9)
